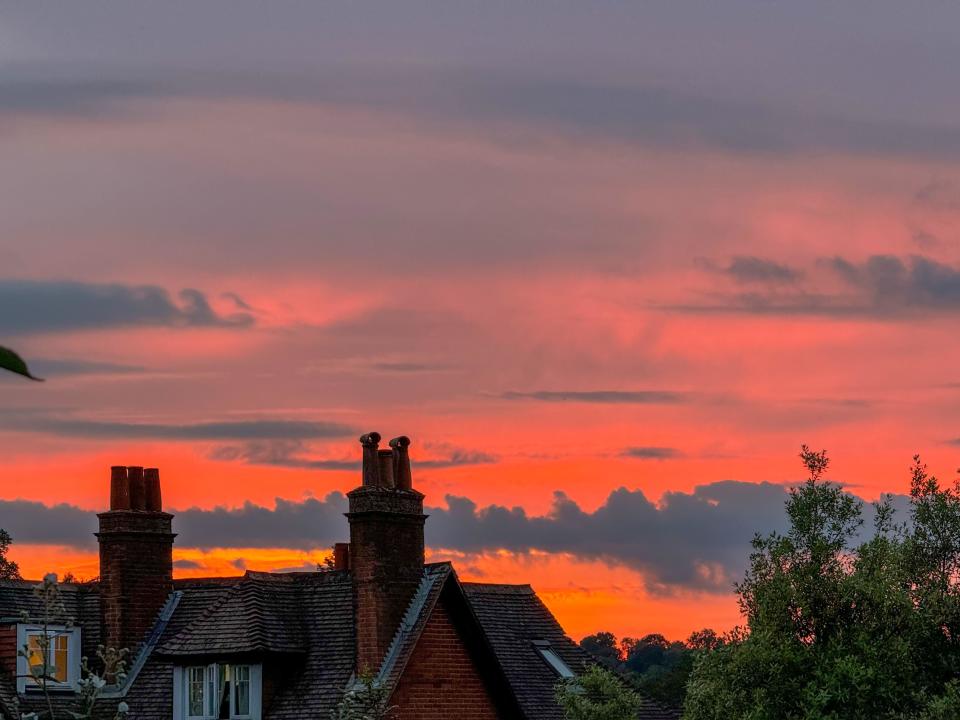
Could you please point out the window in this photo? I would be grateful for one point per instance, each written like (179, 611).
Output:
(219, 691)
(54, 652)
(552, 659)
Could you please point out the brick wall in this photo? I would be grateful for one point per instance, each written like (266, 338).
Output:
(386, 561)
(136, 573)
(441, 681)
(8, 649)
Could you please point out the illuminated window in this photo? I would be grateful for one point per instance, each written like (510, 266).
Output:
(552, 659)
(52, 657)
(219, 691)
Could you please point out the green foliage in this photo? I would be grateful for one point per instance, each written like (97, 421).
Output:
(843, 632)
(597, 694)
(657, 668)
(9, 570)
(9, 360)
(365, 699)
(603, 646)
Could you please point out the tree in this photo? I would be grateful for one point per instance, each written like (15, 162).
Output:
(603, 646)
(597, 694)
(9, 570)
(841, 630)
(12, 362)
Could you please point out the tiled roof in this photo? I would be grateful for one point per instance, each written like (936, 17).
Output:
(261, 613)
(308, 618)
(327, 599)
(9, 708)
(513, 617)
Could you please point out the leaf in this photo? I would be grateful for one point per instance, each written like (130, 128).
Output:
(9, 360)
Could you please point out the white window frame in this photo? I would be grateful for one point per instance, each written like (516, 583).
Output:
(211, 678)
(24, 631)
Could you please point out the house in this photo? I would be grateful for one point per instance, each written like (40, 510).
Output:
(287, 645)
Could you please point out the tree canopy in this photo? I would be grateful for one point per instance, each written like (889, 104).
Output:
(9, 570)
(837, 628)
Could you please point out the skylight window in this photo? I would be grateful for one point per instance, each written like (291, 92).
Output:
(552, 659)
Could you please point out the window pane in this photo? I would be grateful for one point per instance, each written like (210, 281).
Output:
(241, 680)
(211, 691)
(59, 651)
(35, 658)
(556, 663)
(223, 696)
(195, 681)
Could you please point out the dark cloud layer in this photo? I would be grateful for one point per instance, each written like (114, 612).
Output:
(698, 540)
(34, 306)
(299, 454)
(624, 110)
(223, 430)
(885, 287)
(610, 397)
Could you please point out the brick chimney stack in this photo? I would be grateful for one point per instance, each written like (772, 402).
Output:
(136, 556)
(386, 546)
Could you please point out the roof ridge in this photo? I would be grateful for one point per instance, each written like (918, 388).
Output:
(513, 588)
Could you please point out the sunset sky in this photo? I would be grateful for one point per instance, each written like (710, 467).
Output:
(607, 264)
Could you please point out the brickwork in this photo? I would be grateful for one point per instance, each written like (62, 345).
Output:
(441, 680)
(136, 573)
(386, 561)
(8, 649)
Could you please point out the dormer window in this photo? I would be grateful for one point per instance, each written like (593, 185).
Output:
(219, 691)
(552, 659)
(52, 651)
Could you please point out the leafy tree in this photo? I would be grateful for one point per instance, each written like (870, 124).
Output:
(12, 362)
(603, 646)
(597, 694)
(9, 570)
(837, 630)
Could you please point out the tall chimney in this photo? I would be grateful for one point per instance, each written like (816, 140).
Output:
(136, 557)
(386, 549)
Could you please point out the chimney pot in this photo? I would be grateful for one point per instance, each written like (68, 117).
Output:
(385, 458)
(402, 478)
(341, 556)
(371, 460)
(386, 551)
(151, 483)
(119, 488)
(138, 494)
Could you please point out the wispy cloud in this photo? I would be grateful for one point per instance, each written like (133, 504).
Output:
(222, 430)
(50, 367)
(883, 287)
(295, 453)
(37, 306)
(651, 452)
(752, 269)
(609, 397)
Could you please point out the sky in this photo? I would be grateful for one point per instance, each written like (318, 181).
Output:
(607, 264)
